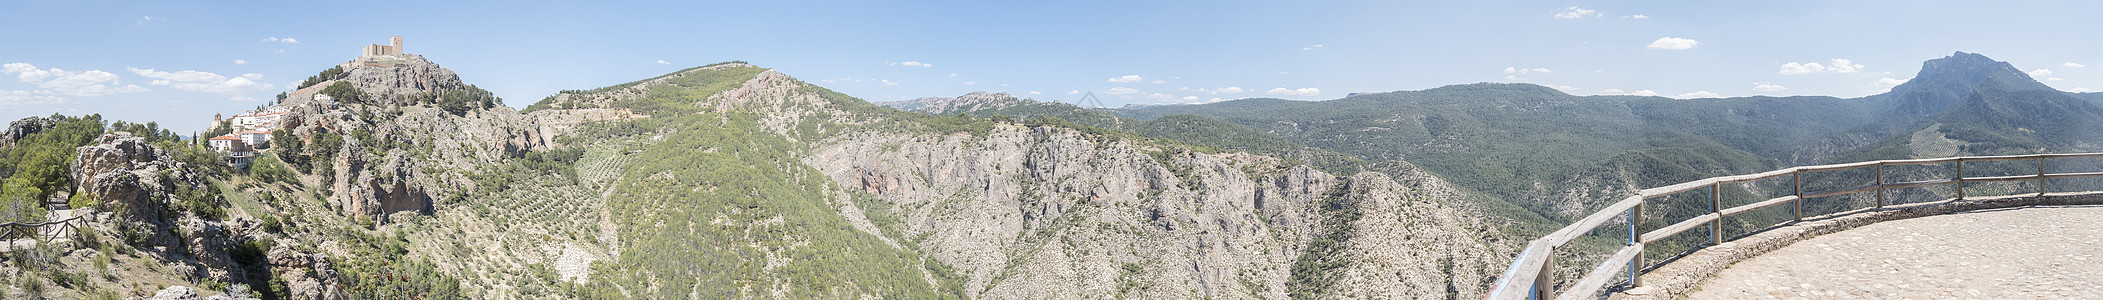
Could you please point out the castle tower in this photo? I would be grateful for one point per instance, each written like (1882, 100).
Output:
(395, 45)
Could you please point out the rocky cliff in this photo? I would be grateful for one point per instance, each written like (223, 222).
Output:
(1048, 212)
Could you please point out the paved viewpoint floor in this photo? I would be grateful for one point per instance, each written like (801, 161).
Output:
(2039, 252)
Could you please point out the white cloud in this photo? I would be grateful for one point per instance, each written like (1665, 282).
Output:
(1516, 70)
(1837, 65)
(662, 62)
(1036, 93)
(1639, 16)
(1073, 92)
(1698, 94)
(1673, 43)
(1003, 84)
(952, 74)
(1229, 90)
(2080, 90)
(1315, 46)
(917, 64)
(88, 83)
(281, 40)
(10, 98)
(192, 80)
(1126, 79)
(1576, 13)
(1301, 92)
(888, 82)
(1768, 87)
(238, 61)
(2040, 72)
(2054, 79)
(1214, 99)
(144, 19)
(2075, 65)
(970, 83)
(1123, 91)
(1160, 97)
(1158, 81)
(1283, 73)
(1190, 98)
(1887, 82)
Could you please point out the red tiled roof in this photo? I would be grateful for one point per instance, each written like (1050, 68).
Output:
(226, 137)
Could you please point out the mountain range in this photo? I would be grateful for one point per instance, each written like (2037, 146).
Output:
(392, 177)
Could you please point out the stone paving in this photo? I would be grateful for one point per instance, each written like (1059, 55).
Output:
(2037, 252)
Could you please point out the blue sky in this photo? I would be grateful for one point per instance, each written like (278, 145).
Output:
(178, 62)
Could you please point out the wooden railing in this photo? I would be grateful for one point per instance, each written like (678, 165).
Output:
(12, 230)
(1530, 277)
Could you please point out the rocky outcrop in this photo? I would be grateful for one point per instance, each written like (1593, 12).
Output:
(177, 293)
(23, 128)
(396, 155)
(392, 80)
(126, 174)
(1048, 212)
(307, 276)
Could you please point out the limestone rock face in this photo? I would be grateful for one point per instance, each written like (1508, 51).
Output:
(307, 276)
(23, 128)
(393, 79)
(177, 293)
(1049, 212)
(125, 172)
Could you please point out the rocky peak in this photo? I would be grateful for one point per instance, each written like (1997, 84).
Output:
(23, 128)
(1949, 79)
(394, 78)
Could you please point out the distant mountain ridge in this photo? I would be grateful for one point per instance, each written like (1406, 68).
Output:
(1525, 141)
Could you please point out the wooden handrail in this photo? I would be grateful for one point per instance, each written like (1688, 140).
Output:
(14, 226)
(1529, 276)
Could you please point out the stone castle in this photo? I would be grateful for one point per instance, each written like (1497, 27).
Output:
(392, 48)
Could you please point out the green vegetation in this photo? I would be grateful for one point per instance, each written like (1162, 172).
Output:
(377, 268)
(1520, 141)
(717, 215)
(459, 102)
(548, 103)
(35, 166)
(1315, 271)
(343, 91)
(330, 74)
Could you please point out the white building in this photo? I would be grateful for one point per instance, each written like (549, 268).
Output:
(228, 143)
(255, 138)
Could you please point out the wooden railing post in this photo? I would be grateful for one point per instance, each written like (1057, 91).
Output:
(1798, 177)
(1635, 266)
(1544, 282)
(2040, 175)
(1716, 207)
(1960, 179)
(1880, 186)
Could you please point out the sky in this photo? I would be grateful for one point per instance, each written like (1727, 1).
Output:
(179, 62)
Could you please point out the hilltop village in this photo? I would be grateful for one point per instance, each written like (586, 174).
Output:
(250, 132)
